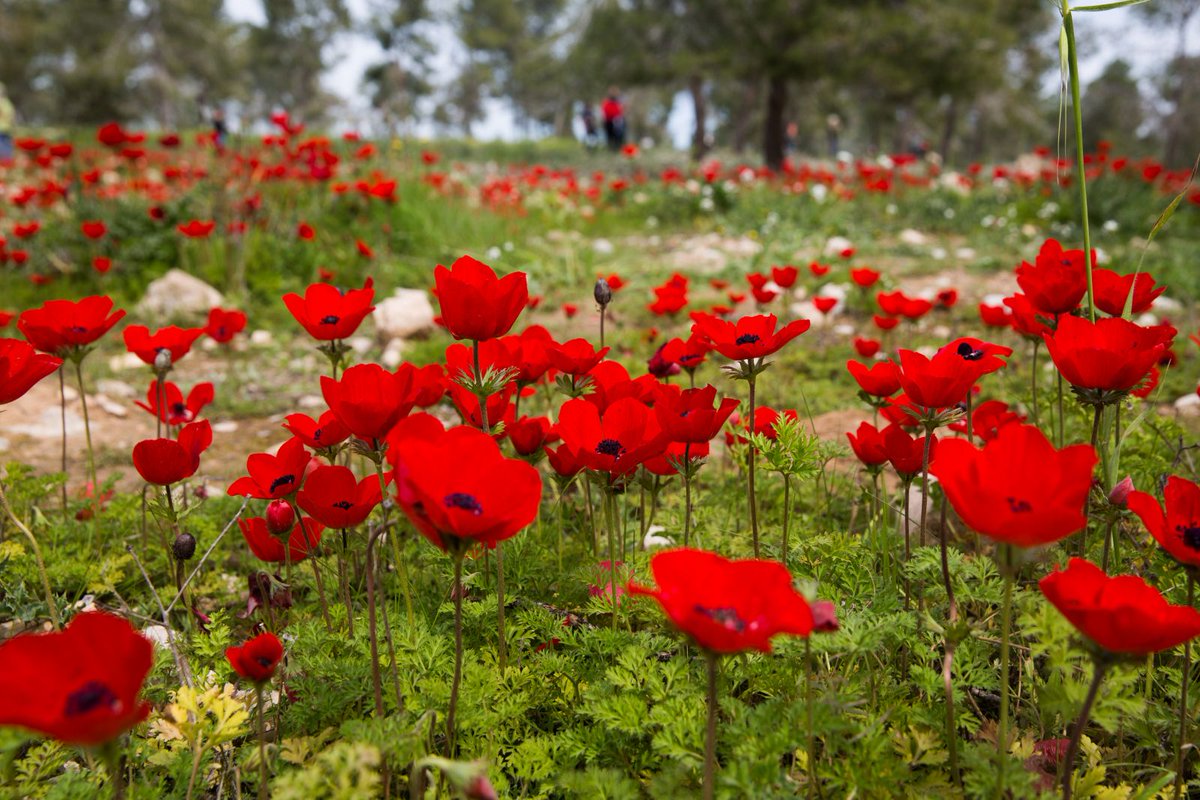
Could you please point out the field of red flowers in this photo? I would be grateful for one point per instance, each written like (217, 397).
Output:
(859, 479)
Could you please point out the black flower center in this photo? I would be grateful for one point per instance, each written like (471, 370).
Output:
(283, 480)
(725, 617)
(610, 447)
(466, 502)
(78, 329)
(263, 661)
(90, 696)
(331, 319)
(1018, 506)
(179, 409)
(969, 353)
(344, 505)
(747, 338)
(1190, 534)
(689, 358)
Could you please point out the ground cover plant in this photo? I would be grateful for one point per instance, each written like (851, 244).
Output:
(850, 479)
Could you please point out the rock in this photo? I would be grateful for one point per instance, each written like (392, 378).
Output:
(261, 337)
(914, 238)
(360, 344)
(178, 294)
(225, 426)
(965, 254)
(70, 394)
(110, 406)
(404, 315)
(115, 388)
(603, 246)
(1188, 405)
(393, 354)
(653, 539)
(1167, 305)
(836, 245)
(48, 425)
(311, 401)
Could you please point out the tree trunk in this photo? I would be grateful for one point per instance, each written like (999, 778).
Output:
(949, 129)
(700, 105)
(774, 126)
(741, 126)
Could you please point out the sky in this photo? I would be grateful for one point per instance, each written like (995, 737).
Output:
(1102, 37)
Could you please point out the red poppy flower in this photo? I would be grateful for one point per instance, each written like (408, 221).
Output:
(898, 410)
(945, 379)
(176, 411)
(818, 269)
(994, 316)
(257, 659)
(306, 232)
(1177, 529)
(784, 276)
(689, 415)
(531, 353)
(665, 462)
(333, 497)
(456, 485)
(879, 380)
(26, 230)
(223, 325)
(499, 406)
(570, 310)
(727, 606)
(1017, 488)
(987, 419)
(79, 685)
(615, 441)
(530, 434)
(327, 313)
(824, 304)
(267, 547)
(102, 264)
(687, 353)
(21, 367)
(610, 383)
(197, 229)
(866, 347)
(884, 323)
(328, 431)
(166, 461)
(110, 134)
(1109, 354)
(363, 249)
(63, 326)
(668, 300)
(93, 229)
(576, 357)
(906, 453)
(146, 346)
(1111, 290)
(1027, 320)
(428, 383)
(1121, 614)
(368, 399)
(750, 338)
(765, 419)
(274, 476)
(475, 303)
(1056, 281)
(946, 298)
(868, 446)
(864, 277)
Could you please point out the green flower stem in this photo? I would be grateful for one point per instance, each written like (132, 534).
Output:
(1184, 680)
(751, 458)
(1005, 553)
(1068, 765)
(91, 455)
(710, 738)
(37, 555)
(451, 731)
(1081, 176)
(262, 744)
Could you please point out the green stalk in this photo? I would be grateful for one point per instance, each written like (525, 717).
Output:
(37, 555)
(1185, 679)
(1005, 629)
(710, 738)
(1068, 766)
(1081, 177)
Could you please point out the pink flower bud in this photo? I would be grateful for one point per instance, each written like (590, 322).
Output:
(824, 614)
(1120, 493)
(280, 517)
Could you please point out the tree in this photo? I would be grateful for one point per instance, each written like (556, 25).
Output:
(401, 80)
(1113, 108)
(287, 55)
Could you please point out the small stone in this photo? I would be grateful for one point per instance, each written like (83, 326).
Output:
(311, 401)
(1188, 405)
(406, 314)
(261, 337)
(110, 406)
(603, 246)
(178, 294)
(115, 388)
(912, 237)
(224, 426)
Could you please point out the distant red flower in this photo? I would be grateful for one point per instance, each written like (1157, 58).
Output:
(257, 659)
(784, 276)
(1056, 281)
(687, 353)
(689, 415)
(93, 229)
(475, 303)
(824, 304)
(867, 444)
(1027, 320)
(906, 453)
(368, 399)
(328, 313)
(866, 347)
(306, 232)
(613, 442)
(458, 489)
(1121, 614)
(576, 357)
(994, 316)
(26, 230)
(818, 269)
(110, 134)
(363, 249)
(21, 368)
(884, 323)
(879, 380)
(101, 264)
(166, 461)
(530, 434)
(987, 419)
(333, 496)
(751, 337)
(197, 229)
(945, 379)
(1017, 488)
(146, 346)
(661, 367)
(570, 310)
(1177, 528)
(1111, 290)
(224, 324)
(79, 685)
(274, 476)
(727, 606)
(946, 298)
(176, 410)
(1110, 354)
(328, 431)
(765, 420)
(267, 547)
(62, 327)
(864, 277)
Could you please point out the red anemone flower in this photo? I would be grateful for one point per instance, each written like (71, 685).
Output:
(987, 419)
(224, 324)
(1056, 281)
(689, 415)
(866, 347)
(166, 461)
(765, 420)
(575, 357)
(475, 303)
(615, 441)
(1111, 354)
(750, 337)
(906, 453)
(687, 353)
(458, 489)
(176, 411)
(369, 400)
(1121, 614)
(1111, 290)
(328, 431)
(727, 606)
(63, 326)
(79, 685)
(1177, 528)
(93, 229)
(327, 313)
(267, 547)
(274, 476)
(867, 444)
(945, 379)
(879, 380)
(864, 277)
(1017, 488)
(784, 276)
(333, 497)
(530, 434)
(197, 229)
(146, 346)
(257, 659)
(21, 367)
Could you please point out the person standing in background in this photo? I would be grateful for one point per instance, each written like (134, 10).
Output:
(220, 131)
(614, 119)
(8, 120)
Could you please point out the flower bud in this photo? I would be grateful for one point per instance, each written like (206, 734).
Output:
(280, 517)
(162, 361)
(1120, 493)
(602, 292)
(184, 546)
